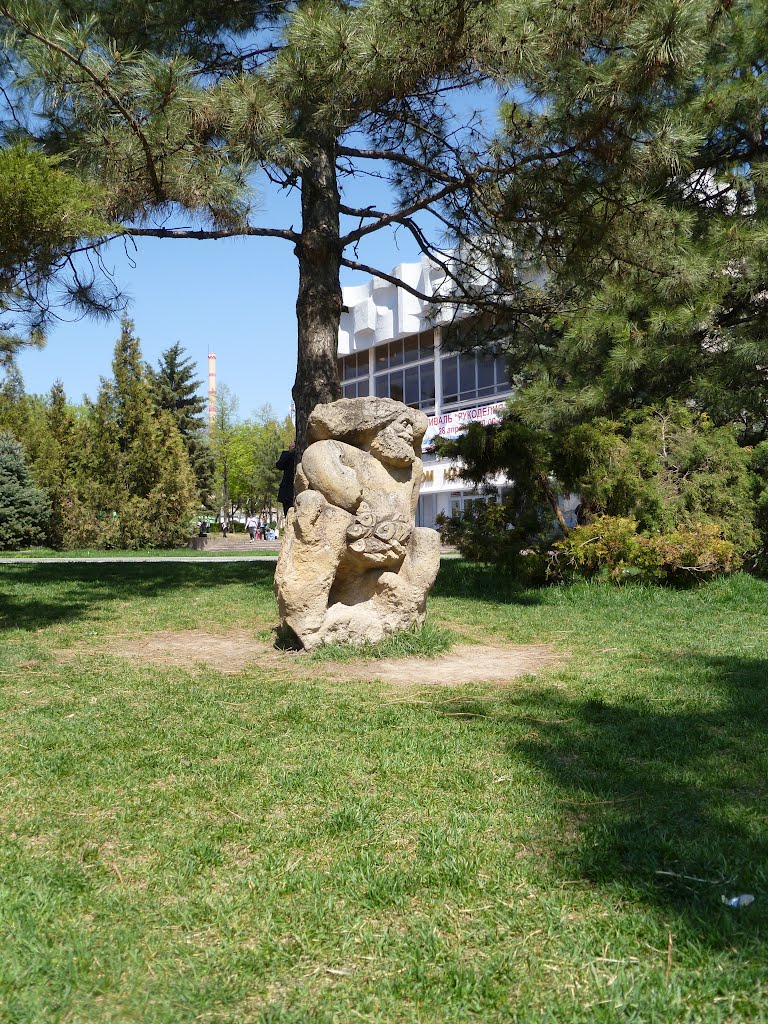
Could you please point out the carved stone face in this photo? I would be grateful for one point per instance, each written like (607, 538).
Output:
(394, 444)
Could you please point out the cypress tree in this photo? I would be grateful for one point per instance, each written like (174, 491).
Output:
(59, 469)
(14, 402)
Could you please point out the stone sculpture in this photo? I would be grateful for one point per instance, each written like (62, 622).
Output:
(353, 567)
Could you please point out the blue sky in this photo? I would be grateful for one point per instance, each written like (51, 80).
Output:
(235, 297)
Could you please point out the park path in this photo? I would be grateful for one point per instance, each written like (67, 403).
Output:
(188, 560)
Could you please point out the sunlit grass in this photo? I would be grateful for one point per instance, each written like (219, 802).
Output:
(182, 846)
(425, 641)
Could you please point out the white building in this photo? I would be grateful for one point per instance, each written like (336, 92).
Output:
(390, 347)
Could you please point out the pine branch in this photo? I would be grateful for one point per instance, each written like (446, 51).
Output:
(101, 84)
(394, 157)
(248, 230)
(385, 219)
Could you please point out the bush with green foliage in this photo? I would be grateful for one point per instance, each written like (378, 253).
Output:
(667, 466)
(24, 507)
(758, 471)
(142, 490)
(673, 486)
(611, 547)
(510, 534)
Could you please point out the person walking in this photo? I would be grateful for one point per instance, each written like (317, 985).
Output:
(224, 526)
(286, 462)
(250, 525)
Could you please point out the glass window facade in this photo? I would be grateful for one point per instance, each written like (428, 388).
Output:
(353, 372)
(353, 366)
(405, 350)
(473, 377)
(405, 371)
(355, 389)
(477, 372)
(462, 501)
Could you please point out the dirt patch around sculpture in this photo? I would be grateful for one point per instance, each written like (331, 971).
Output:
(466, 663)
(229, 652)
(238, 650)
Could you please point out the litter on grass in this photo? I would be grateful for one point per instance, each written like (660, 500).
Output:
(737, 902)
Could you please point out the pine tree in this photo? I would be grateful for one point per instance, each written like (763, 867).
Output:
(645, 253)
(45, 214)
(169, 106)
(23, 506)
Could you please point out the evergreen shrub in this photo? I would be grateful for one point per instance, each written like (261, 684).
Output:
(24, 507)
(663, 493)
(509, 534)
(611, 547)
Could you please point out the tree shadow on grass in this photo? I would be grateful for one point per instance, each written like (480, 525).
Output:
(66, 592)
(458, 578)
(658, 791)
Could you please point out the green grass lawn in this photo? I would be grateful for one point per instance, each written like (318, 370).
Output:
(179, 845)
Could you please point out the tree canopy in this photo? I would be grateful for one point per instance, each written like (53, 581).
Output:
(23, 506)
(173, 107)
(45, 216)
(640, 258)
(175, 389)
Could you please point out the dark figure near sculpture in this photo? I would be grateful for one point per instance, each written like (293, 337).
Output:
(286, 462)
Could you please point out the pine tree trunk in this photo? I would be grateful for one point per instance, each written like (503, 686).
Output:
(318, 306)
(552, 499)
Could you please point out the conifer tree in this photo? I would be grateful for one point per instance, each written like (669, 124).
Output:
(23, 506)
(144, 486)
(170, 106)
(59, 468)
(667, 467)
(175, 389)
(644, 254)
(14, 401)
(21, 414)
(45, 214)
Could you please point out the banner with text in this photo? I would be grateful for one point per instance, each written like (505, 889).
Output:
(448, 424)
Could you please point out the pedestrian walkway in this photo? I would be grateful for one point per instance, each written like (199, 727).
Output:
(234, 542)
(187, 559)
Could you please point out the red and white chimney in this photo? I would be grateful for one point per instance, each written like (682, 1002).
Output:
(211, 388)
